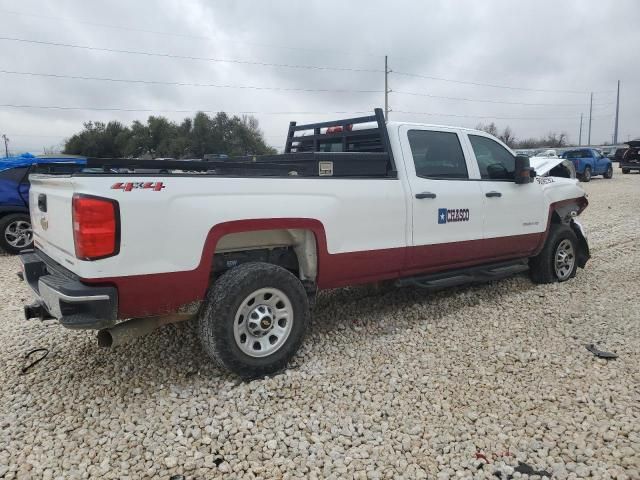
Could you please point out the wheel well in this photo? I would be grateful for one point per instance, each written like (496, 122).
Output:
(293, 249)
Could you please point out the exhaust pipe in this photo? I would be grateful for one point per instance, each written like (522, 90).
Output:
(137, 327)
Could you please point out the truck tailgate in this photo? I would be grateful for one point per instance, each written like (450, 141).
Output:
(50, 204)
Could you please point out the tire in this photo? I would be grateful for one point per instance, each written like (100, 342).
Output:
(586, 175)
(625, 171)
(260, 292)
(543, 267)
(15, 233)
(609, 173)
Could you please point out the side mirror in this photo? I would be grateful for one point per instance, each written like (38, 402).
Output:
(524, 173)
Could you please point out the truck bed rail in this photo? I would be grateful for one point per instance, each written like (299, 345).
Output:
(335, 149)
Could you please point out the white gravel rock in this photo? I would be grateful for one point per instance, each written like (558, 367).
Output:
(389, 384)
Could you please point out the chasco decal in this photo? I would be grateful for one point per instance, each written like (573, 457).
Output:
(128, 186)
(453, 215)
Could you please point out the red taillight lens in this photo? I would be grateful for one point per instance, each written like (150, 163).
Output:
(96, 230)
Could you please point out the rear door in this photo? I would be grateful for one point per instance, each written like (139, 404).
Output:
(514, 215)
(446, 205)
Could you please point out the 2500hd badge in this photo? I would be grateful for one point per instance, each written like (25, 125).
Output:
(453, 215)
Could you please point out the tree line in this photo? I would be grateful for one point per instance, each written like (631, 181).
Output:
(160, 137)
(552, 140)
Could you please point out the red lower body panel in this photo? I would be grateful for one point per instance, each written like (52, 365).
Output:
(154, 294)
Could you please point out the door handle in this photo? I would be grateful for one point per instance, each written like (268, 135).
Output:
(425, 195)
(493, 194)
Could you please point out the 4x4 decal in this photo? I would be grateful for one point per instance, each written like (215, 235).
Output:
(448, 215)
(128, 186)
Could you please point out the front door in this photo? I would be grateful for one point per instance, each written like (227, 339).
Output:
(447, 207)
(514, 216)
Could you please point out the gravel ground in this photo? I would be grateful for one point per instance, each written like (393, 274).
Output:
(396, 384)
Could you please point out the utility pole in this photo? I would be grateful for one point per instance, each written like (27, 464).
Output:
(590, 111)
(386, 88)
(580, 134)
(6, 147)
(615, 130)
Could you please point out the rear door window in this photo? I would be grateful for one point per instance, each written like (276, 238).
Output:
(437, 155)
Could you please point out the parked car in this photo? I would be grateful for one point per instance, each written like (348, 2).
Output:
(418, 205)
(550, 153)
(631, 158)
(619, 154)
(15, 225)
(589, 162)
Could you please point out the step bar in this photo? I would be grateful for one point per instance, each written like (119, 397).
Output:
(481, 273)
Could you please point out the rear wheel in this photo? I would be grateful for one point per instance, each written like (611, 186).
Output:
(15, 233)
(625, 170)
(586, 175)
(609, 172)
(557, 260)
(254, 319)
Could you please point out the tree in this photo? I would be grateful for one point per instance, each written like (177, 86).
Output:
(508, 137)
(160, 137)
(491, 128)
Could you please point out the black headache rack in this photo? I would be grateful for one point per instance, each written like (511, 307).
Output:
(334, 149)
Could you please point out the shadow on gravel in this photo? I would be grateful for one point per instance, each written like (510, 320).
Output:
(366, 305)
(175, 351)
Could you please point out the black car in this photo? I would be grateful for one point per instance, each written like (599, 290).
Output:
(631, 158)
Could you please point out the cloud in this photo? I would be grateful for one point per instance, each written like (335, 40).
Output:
(545, 45)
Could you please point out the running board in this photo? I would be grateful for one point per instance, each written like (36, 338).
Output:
(481, 273)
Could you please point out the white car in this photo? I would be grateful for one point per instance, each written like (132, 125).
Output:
(246, 243)
(546, 154)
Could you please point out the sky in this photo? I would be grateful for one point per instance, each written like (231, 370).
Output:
(530, 65)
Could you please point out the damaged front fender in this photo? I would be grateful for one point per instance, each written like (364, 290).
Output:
(583, 254)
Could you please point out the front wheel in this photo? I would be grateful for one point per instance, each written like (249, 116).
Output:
(625, 170)
(254, 319)
(15, 233)
(586, 175)
(557, 260)
(609, 173)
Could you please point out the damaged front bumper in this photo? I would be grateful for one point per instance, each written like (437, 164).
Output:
(60, 294)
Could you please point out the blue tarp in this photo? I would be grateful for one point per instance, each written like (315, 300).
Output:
(27, 159)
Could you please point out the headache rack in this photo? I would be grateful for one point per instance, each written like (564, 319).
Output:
(333, 149)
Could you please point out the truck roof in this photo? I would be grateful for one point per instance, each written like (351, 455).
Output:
(434, 125)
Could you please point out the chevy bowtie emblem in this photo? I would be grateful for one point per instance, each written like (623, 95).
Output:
(44, 223)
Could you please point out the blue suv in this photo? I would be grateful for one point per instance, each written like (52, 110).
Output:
(15, 224)
(589, 162)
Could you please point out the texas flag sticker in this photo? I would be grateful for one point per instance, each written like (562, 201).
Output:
(442, 215)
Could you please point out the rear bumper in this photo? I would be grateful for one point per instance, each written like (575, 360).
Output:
(63, 296)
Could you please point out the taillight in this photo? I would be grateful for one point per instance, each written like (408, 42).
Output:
(96, 227)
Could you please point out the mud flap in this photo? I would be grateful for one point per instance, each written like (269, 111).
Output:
(583, 254)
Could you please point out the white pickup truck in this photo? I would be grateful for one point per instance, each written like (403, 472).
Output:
(246, 243)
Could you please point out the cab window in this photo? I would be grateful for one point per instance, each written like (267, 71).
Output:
(495, 161)
(437, 155)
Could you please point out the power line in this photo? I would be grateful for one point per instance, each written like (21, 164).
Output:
(188, 57)
(490, 117)
(418, 94)
(153, 110)
(34, 136)
(183, 35)
(185, 84)
(493, 85)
